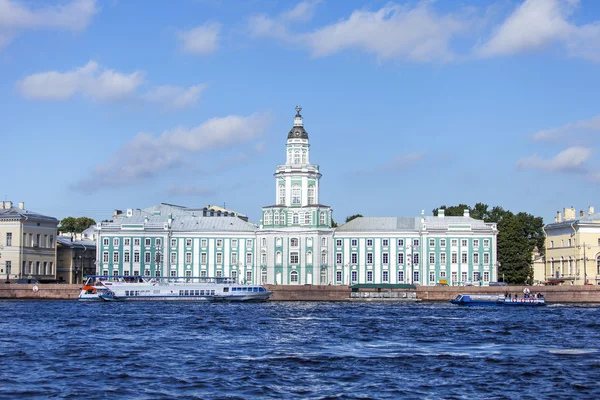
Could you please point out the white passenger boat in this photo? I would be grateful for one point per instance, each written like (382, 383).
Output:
(124, 288)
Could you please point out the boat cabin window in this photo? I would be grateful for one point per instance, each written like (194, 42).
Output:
(225, 290)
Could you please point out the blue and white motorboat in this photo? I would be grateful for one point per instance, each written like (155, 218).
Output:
(497, 300)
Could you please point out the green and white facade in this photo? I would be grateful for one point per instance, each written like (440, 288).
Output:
(295, 243)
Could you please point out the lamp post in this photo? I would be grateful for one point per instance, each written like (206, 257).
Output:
(588, 246)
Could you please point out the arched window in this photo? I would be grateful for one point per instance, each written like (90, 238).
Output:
(294, 277)
(278, 258)
(322, 218)
(295, 218)
(294, 242)
(309, 259)
(276, 218)
(598, 265)
(303, 156)
(311, 194)
(296, 194)
(296, 157)
(307, 218)
(263, 276)
(281, 194)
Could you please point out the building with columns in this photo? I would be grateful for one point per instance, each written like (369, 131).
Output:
(294, 243)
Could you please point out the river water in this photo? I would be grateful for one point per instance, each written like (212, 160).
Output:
(151, 350)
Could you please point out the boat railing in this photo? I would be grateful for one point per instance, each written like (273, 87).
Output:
(93, 279)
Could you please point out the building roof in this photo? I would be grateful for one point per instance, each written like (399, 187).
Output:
(76, 244)
(433, 223)
(387, 224)
(587, 219)
(17, 213)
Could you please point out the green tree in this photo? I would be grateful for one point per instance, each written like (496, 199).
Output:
(350, 218)
(452, 211)
(75, 225)
(82, 223)
(67, 225)
(333, 223)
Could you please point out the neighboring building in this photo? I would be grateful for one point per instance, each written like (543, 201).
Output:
(573, 247)
(295, 243)
(538, 262)
(76, 258)
(27, 243)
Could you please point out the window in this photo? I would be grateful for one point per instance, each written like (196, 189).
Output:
(369, 242)
(263, 242)
(454, 258)
(385, 242)
(278, 258)
(338, 243)
(354, 276)
(105, 257)
(263, 276)
(552, 243)
(486, 276)
(173, 258)
(136, 257)
(323, 257)
(294, 257)
(295, 218)
(234, 258)
(276, 218)
(127, 242)
(158, 242)
(476, 276)
(401, 243)
(147, 257)
(188, 242)
(203, 243)
(442, 243)
(369, 276)
(431, 258)
(296, 157)
(476, 243)
(263, 258)
(116, 242)
(598, 264)
(202, 273)
(486, 258)
(248, 258)
(188, 258)
(464, 258)
(281, 200)
(415, 276)
(219, 273)
(203, 258)
(174, 273)
(431, 242)
(338, 258)
(385, 258)
(249, 243)
(116, 257)
(147, 242)
(354, 258)
(369, 258)
(323, 276)
(354, 242)
(431, 276)
(322, 216)
(443, 258)
(309, 242)
(303, 156)
(568, 242)
(295, 194)
(268, 218)
(475, 258)
(115, 272)
(126, 257)
(400, 276)
(463, 242)
(8, 239)
(219, 258)
(219, 243)
(442, 274)
(338, 276)
(400, 258)
(323, 241)
(234, 243)
(249, 276)
(173, 242)
(454, 242)
(415, 258)
(136, 241)
(463, 277)
(105, 242)
(416, 242)
(486, 243)
(294, 242)
(385, 276)
(294, 277)
(311, 194)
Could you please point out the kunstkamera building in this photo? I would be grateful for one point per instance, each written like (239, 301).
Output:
(295, 244)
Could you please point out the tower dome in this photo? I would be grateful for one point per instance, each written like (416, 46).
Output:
(298, 131)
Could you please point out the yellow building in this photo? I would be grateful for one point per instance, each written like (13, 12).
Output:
(573, 247)
(27, 243)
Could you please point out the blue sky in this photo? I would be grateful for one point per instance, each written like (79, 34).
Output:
(408, 105)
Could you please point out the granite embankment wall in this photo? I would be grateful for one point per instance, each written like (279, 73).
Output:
(555, 294)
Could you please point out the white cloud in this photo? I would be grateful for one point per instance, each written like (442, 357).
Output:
(303, 12)
(89, 80)
(572, 159)
(570, 129)
(145, 155)
(539, 23)
(16, 17)
(175, 97)
(202, 39)
(393, 32)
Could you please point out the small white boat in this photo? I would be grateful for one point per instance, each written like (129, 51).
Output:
(140, 288)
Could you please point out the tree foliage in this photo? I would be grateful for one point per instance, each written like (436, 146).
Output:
(518, 236)
(350, 218)
(75, 225)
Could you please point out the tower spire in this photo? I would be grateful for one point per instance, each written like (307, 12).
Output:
(298, 117)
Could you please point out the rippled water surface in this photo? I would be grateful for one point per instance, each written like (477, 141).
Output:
(147, 350)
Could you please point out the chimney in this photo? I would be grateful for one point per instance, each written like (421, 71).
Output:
(590, 210)
(441, 213)
(569, 213)
(466, 213)
(8, 205)
(21, 205)
(558, 217)
(1, 205)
